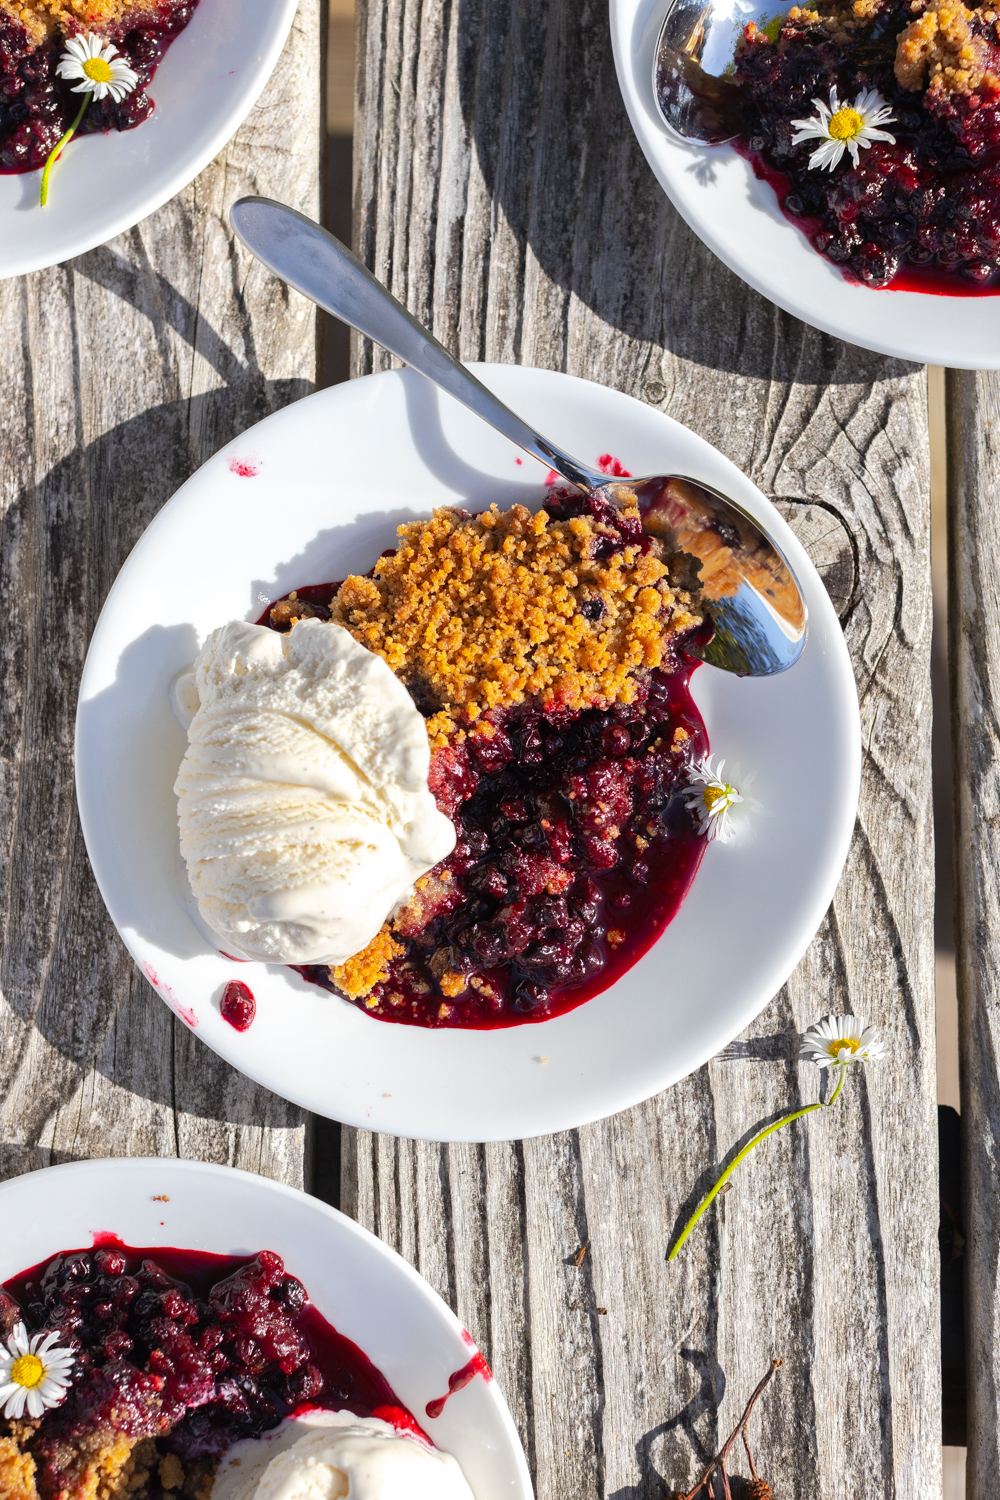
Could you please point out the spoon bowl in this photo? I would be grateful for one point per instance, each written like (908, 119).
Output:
(747, 587)
(694, 56)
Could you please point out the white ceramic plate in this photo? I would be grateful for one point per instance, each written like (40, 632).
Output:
(739, 219)
(204, 88)
(315, 492)
(363, 1288)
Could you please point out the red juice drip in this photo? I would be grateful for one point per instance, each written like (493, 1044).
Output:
(400, 1418)
(457, 1382)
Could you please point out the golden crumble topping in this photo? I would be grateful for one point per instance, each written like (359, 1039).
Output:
(942, 49)
(473, 613)
(43, 18)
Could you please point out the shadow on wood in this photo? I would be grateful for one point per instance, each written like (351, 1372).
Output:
(575, 204)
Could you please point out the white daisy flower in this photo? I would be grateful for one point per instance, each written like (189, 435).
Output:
(98, 65)
(33, 1373)
(710, 798)
(844, 127)
(838, 1040)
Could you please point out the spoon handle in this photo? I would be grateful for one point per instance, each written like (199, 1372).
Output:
(316, 264)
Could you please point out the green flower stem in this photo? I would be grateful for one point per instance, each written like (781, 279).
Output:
(56, 151)
(761, 1135)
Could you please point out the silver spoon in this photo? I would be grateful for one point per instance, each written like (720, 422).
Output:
(747, 586)
(694, 55)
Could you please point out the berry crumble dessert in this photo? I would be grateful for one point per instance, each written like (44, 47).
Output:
(546, 655)
(37, 105)
(161, 1361)
(878, 124)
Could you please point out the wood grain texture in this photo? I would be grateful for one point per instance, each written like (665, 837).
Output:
(974, 652)
(123, 371)
(501, 195)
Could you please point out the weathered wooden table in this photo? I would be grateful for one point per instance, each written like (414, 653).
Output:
(500, 193)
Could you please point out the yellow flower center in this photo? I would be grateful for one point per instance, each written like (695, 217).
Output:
(843, 1044)
(845, 125)
(714, 794)
(27, 1371)
(99, 71)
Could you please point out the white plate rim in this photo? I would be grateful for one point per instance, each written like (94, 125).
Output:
(749, 234)
(121, 1174)
(116, 216)
(552, 1106)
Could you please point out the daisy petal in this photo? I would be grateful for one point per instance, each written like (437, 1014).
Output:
(15, 1404)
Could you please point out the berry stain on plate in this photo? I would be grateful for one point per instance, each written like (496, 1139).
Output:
(460, 1379)
(244, 468)
(184, 1012)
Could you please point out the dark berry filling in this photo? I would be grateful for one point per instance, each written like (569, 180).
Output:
(921, 213)
(193, 1350)
(37, 107)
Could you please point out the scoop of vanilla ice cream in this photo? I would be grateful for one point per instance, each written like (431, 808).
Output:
(302, 799)
(326, 1454)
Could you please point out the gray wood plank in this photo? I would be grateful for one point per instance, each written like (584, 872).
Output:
(974, 654)
(501, 195)
(123, 371)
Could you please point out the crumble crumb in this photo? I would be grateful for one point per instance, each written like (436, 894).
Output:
(431, 897)
(287, 612)
(945, 47)
(476, 612)
(360, 974)
(452, 983)
(171, 1472)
